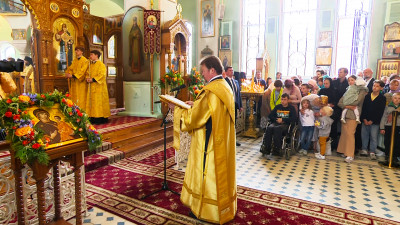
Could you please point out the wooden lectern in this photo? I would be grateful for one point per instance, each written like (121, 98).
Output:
(72, 153)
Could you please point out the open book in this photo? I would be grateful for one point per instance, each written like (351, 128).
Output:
(173, 100)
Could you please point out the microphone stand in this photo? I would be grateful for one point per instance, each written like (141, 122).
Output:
(165, 182)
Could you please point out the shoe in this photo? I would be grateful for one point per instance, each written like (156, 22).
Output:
(358, 121)
(303, 152)
(372, 156)
(264, 150)
(343, 120)
(379, 153)
(341, 155)
(363, 152)
(349, 159)
(319, 156)
(238, 144)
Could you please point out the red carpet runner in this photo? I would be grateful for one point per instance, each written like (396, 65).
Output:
(122, 122)
(116, 189)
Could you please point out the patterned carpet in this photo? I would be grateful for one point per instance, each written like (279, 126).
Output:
(122, 122)
(116, 188)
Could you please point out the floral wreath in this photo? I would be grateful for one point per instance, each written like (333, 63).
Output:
(26, 139)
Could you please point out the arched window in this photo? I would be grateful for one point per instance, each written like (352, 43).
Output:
(111, 47)
(297, 55)
(353, 32)
(253, 30)
(190, 49)
(7, 50)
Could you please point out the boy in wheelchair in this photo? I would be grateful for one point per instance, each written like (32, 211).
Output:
(280, 118)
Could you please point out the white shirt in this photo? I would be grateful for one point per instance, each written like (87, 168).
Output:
(214, 78)
(307, 120)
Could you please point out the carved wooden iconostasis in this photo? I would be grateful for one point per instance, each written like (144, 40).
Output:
(57, 29)
(61, 25)
(104, 35)
(175, 44)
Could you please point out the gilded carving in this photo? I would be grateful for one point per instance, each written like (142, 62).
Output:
(75, 12)
(54, 7)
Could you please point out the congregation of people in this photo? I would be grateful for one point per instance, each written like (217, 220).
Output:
(349, 115)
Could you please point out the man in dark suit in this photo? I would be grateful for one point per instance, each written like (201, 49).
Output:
(259, 80)
(369, 79)
(257, 107)
(236, 91)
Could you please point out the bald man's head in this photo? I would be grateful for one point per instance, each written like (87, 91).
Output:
(367, 73)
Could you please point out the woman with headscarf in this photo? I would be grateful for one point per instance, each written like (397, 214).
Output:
(314, 86)
(294, 93)
(329, 91)
(28, 75)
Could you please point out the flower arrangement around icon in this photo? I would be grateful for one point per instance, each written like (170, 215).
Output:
(196, 82)
(172, 78)
(29, 142)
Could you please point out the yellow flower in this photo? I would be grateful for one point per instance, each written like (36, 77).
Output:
(69, 103)
(24, 98)
(166, 76)
(23, 131)
(91, 127)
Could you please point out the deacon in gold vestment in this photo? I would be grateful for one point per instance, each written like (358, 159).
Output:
(76, 73)
(97, 102)
(29, 77)
(209, 187)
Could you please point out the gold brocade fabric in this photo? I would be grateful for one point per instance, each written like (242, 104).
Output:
(97, 101)
(29, 82)
(211, 194)
(79, 86)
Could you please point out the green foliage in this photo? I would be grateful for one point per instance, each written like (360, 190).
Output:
(27, 141)
(173, 78)
(196, 82)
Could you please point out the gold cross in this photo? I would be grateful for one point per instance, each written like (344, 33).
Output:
(179, 10)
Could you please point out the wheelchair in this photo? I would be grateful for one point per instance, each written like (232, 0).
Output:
(290, 141)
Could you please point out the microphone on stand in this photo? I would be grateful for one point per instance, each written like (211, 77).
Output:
(178, 88)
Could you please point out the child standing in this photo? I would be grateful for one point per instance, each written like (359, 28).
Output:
(372, 111)
(393, 86)
(386, 128)
(307, 126)
(323, 125)
(351, 95)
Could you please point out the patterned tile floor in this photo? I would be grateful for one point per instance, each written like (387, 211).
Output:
(362, 185)
(98, 216)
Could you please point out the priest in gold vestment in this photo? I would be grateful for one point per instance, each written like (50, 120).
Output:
(97, 101)
(76, 74)
(209, 187)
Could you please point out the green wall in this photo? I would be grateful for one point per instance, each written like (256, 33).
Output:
(232, 13)
(376, 36)
(189, 13)
(272, 39)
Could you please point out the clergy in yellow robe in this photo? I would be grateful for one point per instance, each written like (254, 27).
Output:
(29, 76)
(209, 187)
(76, 74)
(97, 101)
